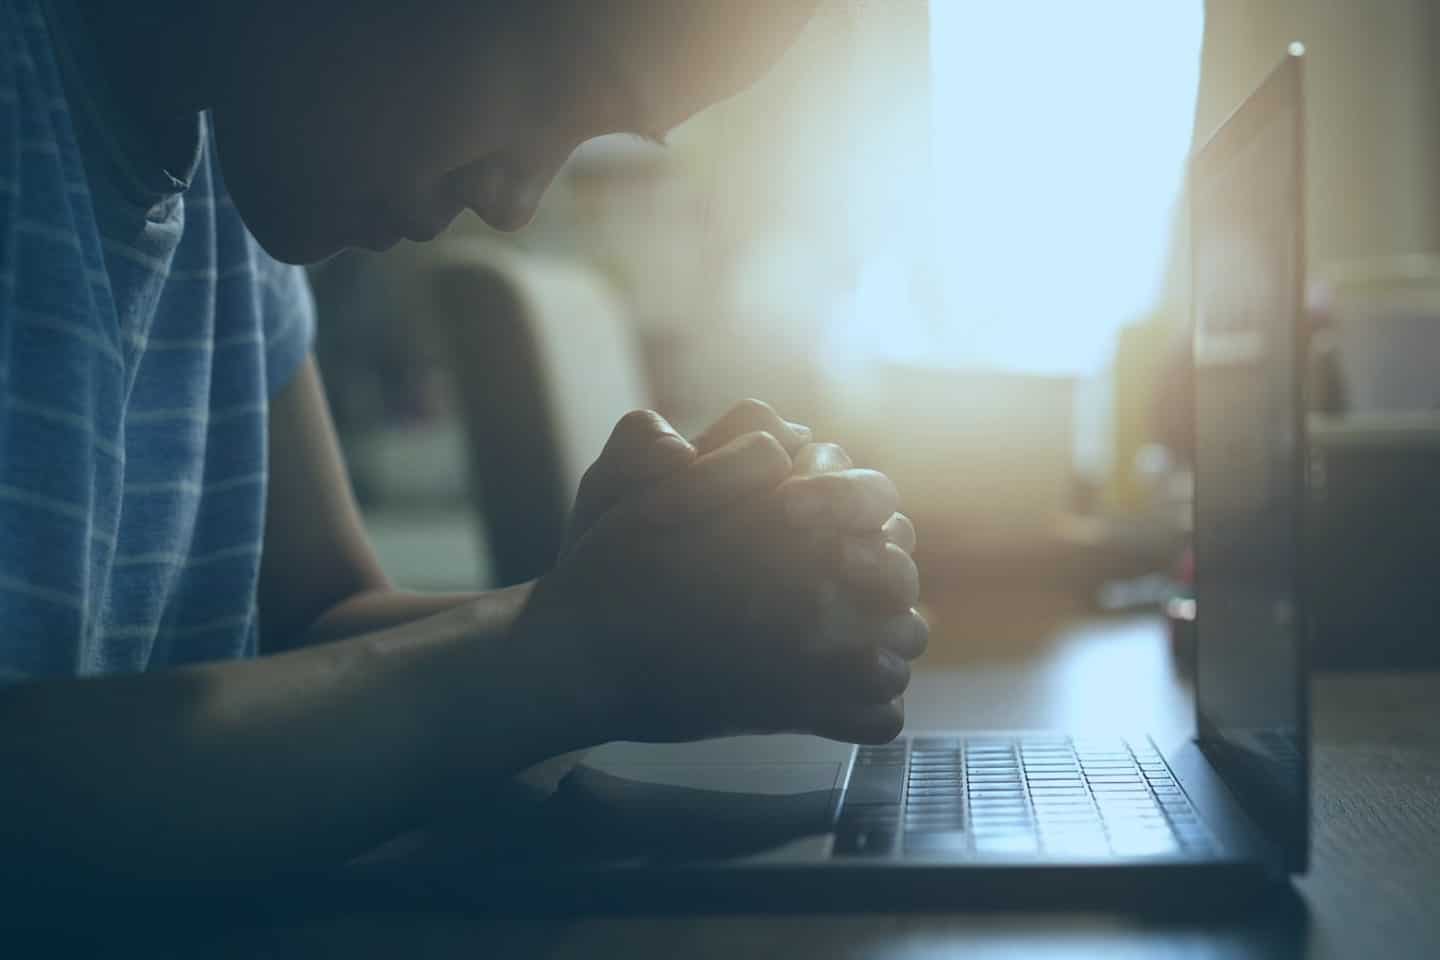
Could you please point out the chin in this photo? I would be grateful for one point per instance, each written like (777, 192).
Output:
(300, 243)
(508, 221)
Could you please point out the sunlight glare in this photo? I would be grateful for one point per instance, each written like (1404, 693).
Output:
(1059, 138)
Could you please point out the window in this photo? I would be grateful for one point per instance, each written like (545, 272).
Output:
(1059, 133)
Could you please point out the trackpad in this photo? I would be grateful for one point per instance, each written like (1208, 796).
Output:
(680, 811)
(756, 779)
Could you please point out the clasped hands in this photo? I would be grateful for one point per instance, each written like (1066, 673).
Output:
(753, 581)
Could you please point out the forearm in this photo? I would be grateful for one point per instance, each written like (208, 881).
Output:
(385, 608)
(285, 762)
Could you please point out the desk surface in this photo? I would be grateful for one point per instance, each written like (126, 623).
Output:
(1371, 891)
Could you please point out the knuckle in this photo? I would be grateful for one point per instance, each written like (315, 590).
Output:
(592, 475)
(882, 724)
(892, 720)
(636, 424)
(921, 628)
(768, 452)
(886, 492)
(756, 411)
(861, 498)
(823, 457)
(894, 683)
(900, 525)
(905, 573)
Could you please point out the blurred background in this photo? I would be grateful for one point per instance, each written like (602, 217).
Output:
(950, 235)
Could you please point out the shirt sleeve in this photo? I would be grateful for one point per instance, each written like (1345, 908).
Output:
(287, 319)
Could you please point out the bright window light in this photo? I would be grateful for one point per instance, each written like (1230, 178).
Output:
(1060, 132)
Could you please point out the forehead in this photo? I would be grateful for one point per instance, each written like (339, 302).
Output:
(688, 54)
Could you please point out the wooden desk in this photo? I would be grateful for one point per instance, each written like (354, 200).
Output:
(1374, 889)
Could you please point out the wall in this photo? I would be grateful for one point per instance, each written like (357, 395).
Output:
(1373, 112)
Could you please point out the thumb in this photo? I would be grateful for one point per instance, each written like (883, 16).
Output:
(642, 448)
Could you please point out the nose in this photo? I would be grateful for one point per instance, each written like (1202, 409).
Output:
(507, 199)
(514, 207)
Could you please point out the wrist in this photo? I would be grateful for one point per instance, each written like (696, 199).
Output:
(578, 689)
(473, 695)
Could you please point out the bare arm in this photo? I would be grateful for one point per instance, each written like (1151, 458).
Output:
(286, 762)
(302, 758)
(297, 759)
(320, 579)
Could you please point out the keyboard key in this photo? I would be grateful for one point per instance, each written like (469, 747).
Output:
(1152, 845)
(1066, 815)
(875, 784)
(1016, 844)
(979, 810)
(936, 790)
(851, 824)
(952, 842)
(1078, 799)
(935, 800)
(952, 811)
(937, 825)
(922, 813)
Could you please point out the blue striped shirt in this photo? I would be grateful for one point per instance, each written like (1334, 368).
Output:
(142, 332)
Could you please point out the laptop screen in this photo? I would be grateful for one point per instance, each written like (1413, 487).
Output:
(1248, 272)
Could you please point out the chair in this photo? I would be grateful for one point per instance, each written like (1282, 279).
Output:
(543, 363)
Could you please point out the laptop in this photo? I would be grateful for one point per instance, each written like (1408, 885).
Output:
(961, 818)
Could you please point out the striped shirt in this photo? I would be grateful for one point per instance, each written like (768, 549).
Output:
(142, 332)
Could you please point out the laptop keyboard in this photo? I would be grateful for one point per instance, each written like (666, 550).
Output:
(1050, 797)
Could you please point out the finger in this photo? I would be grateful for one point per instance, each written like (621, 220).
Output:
(881, 571)
(642, 443)
(842, 626)
(753, 416)
(906, 634)
(876, 724)
(856, 500)
(744, 467)
(901, 532)
(642, 448)
(816, 458)
(861, 675)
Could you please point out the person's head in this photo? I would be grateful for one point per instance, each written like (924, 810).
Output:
(359, 123)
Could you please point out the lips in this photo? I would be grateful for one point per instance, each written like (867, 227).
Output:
(494, 194)
(484, 187)
(428, 216)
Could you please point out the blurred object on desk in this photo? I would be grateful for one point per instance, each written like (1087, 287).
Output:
(1381, 318)
(1374, 540)
(984, 458)
(1136, 378)
(1374, 433)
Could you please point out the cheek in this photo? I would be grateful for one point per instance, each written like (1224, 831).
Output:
(276, 180)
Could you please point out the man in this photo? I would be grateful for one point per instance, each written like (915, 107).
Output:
(180, 702)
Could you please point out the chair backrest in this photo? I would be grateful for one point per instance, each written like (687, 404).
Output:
(544, 363)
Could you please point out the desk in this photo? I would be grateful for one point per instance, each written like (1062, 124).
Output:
(1373, 891)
